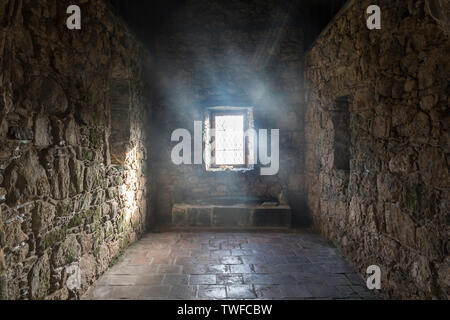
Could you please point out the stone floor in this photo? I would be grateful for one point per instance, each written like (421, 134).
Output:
(202, 265)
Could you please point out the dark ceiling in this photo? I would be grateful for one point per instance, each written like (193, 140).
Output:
(147, 18)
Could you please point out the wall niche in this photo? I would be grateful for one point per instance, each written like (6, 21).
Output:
(341, 123)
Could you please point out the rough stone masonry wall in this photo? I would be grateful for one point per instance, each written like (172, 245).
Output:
(232, 53)
(378, 174)
(66, 209)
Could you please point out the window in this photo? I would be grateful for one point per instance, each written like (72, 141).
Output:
(228, 142)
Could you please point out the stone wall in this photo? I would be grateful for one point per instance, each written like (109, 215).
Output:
(72, 187)
(232, 53)
(377, 166)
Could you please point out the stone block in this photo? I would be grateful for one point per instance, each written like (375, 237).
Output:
(400, 226)
(60, 178)
(14, 235)
(20, 133)
(231, 217)
(43, 217)
(49, 94)
(3, 286)
(40, 278)
(77, 176)
(68, 251)
(88, 266)
(42, 133)
(272, 217)
(26, 178)
(204, 218)
(179, 216)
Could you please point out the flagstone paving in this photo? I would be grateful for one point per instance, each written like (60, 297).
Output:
(206, 265)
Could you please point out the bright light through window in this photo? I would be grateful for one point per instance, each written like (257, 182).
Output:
(229, 139)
